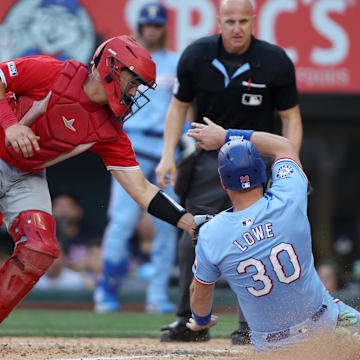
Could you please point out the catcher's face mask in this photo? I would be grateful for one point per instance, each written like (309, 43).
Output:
(129, 89)
(124, 65)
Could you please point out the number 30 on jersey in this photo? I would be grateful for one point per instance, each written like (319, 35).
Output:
(278, 269)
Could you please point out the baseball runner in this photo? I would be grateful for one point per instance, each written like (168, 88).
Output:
(238, 81)
(58, 110)
(262, 245)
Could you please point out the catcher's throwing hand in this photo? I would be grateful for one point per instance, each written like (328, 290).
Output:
(22, 139)
(192, 325)
(209, 136)
(20, 136)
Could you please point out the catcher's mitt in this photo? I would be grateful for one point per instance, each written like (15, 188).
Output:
(199, 220)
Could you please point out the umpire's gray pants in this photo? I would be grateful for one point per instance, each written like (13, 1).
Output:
(20, 191)
(206, 196)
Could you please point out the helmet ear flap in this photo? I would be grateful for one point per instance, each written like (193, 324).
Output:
(98, 54)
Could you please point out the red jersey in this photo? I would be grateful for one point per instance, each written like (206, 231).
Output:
(72, 123)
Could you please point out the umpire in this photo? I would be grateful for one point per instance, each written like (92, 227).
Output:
(237, 81)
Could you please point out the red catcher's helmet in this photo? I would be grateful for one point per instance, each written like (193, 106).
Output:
(113, 56)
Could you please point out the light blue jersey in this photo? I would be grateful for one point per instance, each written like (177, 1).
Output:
(146, 128)
(265, 254)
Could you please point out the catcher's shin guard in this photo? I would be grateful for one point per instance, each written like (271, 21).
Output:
(36, 248)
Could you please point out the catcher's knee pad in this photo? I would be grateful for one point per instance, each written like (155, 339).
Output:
(36, 230)
(36, 248)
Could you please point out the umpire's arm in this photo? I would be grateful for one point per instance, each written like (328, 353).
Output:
(292, 127)
(174, 125)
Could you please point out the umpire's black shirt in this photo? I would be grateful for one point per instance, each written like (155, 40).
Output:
(263, 80)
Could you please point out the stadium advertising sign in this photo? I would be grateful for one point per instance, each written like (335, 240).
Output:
(319, 35)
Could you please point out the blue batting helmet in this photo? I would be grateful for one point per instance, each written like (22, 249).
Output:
(152, 13)
(240, 165)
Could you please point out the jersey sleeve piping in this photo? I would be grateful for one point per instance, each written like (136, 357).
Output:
(3, 78)
(203, 282)
(294, 162)
(127, 168)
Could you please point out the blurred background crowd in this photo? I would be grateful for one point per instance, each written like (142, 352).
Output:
(328, 79)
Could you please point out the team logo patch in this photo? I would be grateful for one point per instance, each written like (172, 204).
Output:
(245, 181)
(112, 51)
(251, 99)
(284, 171)
(12, 68)
(69, 123)
(236, 137)
(247, 222)
(153, 12)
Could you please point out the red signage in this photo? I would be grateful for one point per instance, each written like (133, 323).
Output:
(320, 36)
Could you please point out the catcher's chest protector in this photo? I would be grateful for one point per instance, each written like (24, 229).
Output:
(71, 119)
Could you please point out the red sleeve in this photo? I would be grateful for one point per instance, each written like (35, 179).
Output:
(32, 75)
(7, 116)
(117, 155)
(2, 145)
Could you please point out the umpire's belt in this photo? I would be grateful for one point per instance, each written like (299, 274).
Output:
(297, 329)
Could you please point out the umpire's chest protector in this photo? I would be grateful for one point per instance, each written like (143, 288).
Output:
(71, 121)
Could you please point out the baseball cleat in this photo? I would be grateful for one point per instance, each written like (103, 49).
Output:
(240, 337)
(105, 302)
(177, 331)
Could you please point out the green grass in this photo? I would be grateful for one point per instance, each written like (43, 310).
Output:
(24, 322)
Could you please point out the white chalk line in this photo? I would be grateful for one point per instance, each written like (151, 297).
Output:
(164, 356)
(127, 357)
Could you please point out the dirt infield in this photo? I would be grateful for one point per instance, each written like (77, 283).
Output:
(16, 348)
